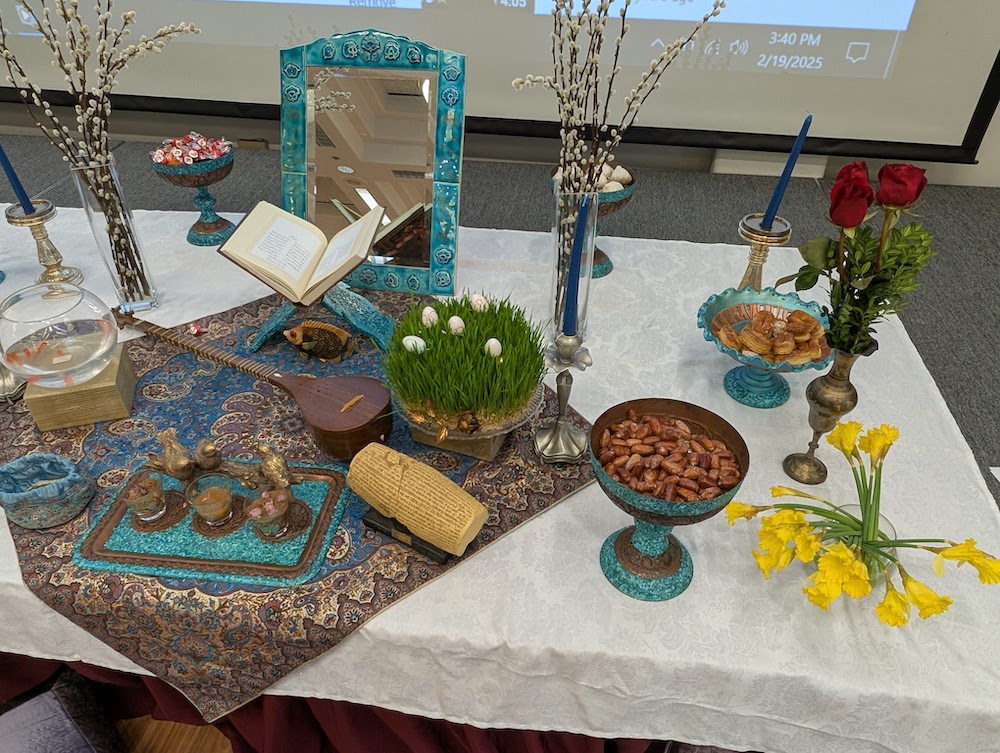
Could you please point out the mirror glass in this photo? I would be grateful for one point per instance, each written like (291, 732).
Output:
(370, 140)
(374, 119)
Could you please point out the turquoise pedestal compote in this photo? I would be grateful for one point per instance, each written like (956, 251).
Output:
(646, 561)
(608, 203)
(210, 229)
(756, 382)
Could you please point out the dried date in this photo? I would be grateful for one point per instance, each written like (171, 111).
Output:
(667, 458)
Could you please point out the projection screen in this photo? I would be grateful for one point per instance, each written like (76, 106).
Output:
(910, 71)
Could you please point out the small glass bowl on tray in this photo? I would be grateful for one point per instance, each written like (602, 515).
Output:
(757, 381)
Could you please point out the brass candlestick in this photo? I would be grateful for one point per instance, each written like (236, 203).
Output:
(761, 241)
(48, 255)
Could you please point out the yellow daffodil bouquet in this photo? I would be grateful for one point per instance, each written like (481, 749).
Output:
(851, 551)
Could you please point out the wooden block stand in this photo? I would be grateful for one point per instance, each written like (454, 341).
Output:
(106, 397)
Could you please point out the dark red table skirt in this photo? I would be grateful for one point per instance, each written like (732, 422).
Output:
(278, 724)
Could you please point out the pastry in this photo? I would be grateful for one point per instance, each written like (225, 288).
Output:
(783, 344)
(755, 341)
(729, 337)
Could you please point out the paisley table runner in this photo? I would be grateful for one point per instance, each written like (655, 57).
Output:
(219, 642)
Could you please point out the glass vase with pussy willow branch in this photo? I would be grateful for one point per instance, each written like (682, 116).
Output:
(591, 126)
(90, 54)
(116, 235)
(852, 552)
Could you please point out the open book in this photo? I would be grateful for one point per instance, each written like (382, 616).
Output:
(293, 256)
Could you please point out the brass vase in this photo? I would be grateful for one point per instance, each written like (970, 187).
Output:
(830, 396)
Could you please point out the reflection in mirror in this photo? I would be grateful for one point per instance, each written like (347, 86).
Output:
(371, 118)
(370, 141)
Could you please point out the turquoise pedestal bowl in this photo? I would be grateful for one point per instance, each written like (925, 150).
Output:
(210, 229)
(645, 560)
(757, 381)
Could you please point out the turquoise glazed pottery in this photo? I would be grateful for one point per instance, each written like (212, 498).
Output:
(645, 561)
(42, 490)
(757, 382)
(210, 229)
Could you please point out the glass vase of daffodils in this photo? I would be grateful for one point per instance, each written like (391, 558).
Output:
(851, 551)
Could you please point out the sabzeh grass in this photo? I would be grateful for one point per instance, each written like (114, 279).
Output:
(454, 383)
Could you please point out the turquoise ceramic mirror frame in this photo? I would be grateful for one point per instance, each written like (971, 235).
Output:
(375, 54)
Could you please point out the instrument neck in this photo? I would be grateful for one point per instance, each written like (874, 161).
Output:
(211, 352)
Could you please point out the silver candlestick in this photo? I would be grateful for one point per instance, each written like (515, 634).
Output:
(559, 441)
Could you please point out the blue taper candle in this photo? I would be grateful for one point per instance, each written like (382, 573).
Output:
(22, 195)
(779, 190)
(575, 262)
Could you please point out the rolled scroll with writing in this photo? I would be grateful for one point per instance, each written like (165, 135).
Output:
(427, 502)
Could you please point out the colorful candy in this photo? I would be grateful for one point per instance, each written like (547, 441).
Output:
(190, 149)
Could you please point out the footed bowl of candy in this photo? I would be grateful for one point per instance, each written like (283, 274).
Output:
(767, 332)
(197, 162)
(666, 463)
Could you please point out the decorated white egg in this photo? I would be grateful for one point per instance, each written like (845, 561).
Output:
(493, 347)
(478, 302)
(611, 186)
(456, 325)
(414, 344)
(429, 316)
(621, 175)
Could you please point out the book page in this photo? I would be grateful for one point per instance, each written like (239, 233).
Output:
(286, 245)
(276, 246)
(339, 250)
(427, 502)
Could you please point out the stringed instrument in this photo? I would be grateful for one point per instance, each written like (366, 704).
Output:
(345, 413)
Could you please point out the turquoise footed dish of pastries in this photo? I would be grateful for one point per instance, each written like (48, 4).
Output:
(756, 382)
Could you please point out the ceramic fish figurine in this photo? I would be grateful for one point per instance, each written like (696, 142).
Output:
(323, 340)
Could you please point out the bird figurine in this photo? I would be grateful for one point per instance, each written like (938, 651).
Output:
(274, 467)
(207, 455)
(322, 340)
(175, 460)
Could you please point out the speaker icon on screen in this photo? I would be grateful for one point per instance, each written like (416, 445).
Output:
(739, 46)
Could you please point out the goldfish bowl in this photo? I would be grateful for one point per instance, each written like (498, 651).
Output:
(645, 560)
(210, 229)
(56, 334)
(757, 381)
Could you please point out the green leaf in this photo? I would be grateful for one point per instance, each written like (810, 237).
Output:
(862, 283)
(807, 279)
(816, 253)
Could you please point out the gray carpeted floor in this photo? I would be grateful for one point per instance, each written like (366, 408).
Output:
(953, 319)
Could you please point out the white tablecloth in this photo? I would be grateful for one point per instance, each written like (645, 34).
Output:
(529, 634)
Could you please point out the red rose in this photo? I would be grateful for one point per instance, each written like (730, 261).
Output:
(900, 185)
(857, 170)
(851, 196)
